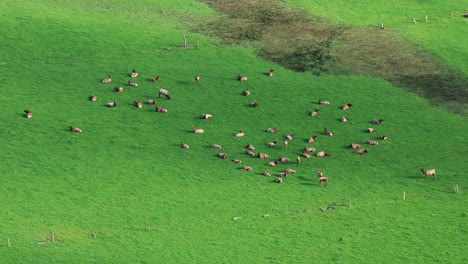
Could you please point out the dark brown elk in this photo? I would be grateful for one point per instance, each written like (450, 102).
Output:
(377, 122)
(431, 172)
(28, 113)
(153, 79)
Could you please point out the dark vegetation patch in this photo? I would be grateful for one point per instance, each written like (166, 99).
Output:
(305, 43)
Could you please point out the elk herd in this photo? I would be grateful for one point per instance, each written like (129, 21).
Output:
(306, 152)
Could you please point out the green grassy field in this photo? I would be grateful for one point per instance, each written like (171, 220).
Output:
(123, 191)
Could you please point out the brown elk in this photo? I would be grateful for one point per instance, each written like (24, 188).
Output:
(250, 153)
(347, 106)
(119, 89)
(272, 129)
(130, 83)
(377, 122)
(250, 146)
(28, 113)
(153, 79)
(272, 163)
(160, 109)
(372, 142)
(320, 101)
(236, 161)
(278, 180)
(323, 180)
(361, 151)
(216, 146)
(137, 104)
(134, 73)
(431, 172)
(198, 130)
(165, 93)
(315, 112)
(246, 168)
(207, 116)
(151, 101)
(112, 104)
(93, 98)
(246, 93)
(264, 173)
(354, 145)
(270, 73)
(384, 137)
(197, 78)
(262, 155)
(312, 139)
(240, 134)
(107, 80)
(322, 154)
(327, 132)
(272, 143)
(184, 145)
(344, 119)
(242, 78)
(222, 155)
(75, 129)
(370, 130)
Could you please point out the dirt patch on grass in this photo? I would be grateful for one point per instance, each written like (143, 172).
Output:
(302, 42)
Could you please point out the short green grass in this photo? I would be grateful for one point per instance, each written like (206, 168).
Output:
(124, 191)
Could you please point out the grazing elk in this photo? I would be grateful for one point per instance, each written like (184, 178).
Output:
(272, 129)
(240, 134)
(431, 172)
(151, 101)
(28, 114)
(278, 180)
(262, 155)
(272, 163)
(272, 143)
(75, 129)
(361, 151)
(372, 142)
(354, 145)
(322, 154)
(119, 89)
(165, 93)
(198, 130)
(249, 152)
(222, 155)
(184, 145)
(112, 104)
(107, 80)
(241, 78)
(160, 109)
(312, 139)
(134, 73)
(377, 122)
(130, 83)
(347, 106)
(207, 116)
(137, 104)
(246, 93)
(264, 173)
(327, 132)
(93, 98)
(153, 79)
(320, 101)
(270, 73)
(216, 146)
(246, 168)
(315, 112)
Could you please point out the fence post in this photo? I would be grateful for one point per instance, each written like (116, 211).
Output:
(404, 195)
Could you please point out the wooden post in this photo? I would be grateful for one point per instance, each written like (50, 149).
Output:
(9, 244)
(414, 20)
(455, 189)
(350, 202)
(185, 42)
(382, 25)
(426, 18)
(404, 195)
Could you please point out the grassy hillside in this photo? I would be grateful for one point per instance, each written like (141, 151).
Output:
(441, 35)
(124, 191)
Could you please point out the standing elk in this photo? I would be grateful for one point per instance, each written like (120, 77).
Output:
(431, 172)
(319, 173)
(298, 160)
(107, 80)
(28, 113)
(165, 93)
(270, 73)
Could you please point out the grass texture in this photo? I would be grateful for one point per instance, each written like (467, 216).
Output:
(123, 191)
